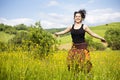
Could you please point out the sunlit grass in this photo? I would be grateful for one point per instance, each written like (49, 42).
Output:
(24, 66)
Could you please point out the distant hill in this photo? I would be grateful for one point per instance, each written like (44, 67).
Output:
(99, 27)
(106, 26)
(102, 28)
(52, 30)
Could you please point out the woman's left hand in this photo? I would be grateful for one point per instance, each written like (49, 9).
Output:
(103, 40)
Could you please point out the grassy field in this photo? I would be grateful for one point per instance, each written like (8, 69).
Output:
(23, 66)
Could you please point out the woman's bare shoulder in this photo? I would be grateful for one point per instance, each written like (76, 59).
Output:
(70, 26)
(85, 26)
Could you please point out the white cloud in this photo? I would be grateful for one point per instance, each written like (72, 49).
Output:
(55, 20)
(93, 17)
(12, 22)
(53, 3)
(49, 24)
(101, 16)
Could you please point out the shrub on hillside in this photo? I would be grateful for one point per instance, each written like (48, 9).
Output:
(112, 36)
(44, 41)
(16, 43)
(21, 27)
(10, 31)
(36, 40)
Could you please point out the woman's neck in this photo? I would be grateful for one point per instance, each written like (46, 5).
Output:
(77, 24)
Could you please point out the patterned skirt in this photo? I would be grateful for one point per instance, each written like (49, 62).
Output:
(79, 58)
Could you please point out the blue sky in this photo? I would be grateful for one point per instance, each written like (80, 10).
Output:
(58, 13)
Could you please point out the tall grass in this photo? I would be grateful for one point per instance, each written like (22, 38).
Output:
(24, 66)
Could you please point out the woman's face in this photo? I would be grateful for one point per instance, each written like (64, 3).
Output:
(78, 18)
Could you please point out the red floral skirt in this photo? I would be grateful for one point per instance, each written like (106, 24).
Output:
(79, 58)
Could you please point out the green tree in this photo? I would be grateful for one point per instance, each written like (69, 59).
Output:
(2, 28)
(44, 40)
(8, 29)
(35, 39)
(21, 27)
(112, 36)
(38, 25)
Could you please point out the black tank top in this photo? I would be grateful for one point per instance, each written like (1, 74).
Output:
(78, 35)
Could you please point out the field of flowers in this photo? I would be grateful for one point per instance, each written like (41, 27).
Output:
(25, 66)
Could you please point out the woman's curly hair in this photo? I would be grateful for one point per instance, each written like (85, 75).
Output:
(82, 12)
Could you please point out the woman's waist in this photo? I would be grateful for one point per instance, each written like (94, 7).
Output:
(82, 45)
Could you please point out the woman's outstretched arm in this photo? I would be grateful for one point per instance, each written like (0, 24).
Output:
(87, 29)
(64, 31)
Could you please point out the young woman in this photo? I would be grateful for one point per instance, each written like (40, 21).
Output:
(78, 56)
